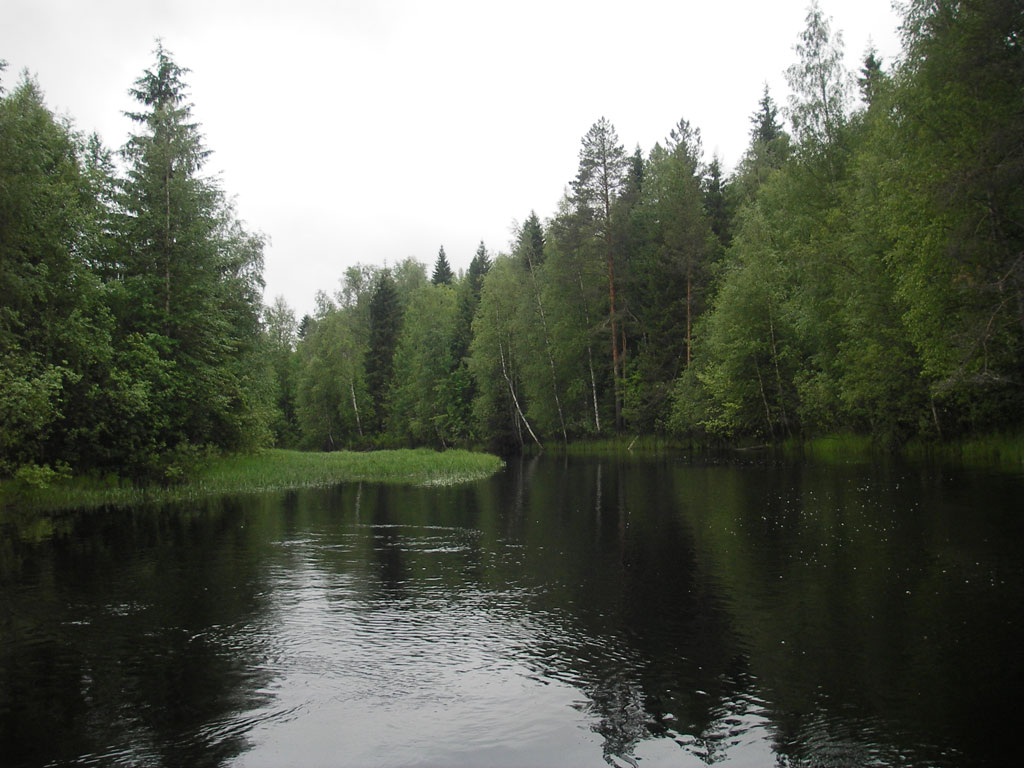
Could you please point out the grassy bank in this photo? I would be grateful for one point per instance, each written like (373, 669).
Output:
(984, 451)
(265, 471)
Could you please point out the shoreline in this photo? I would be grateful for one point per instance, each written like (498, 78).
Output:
(269, 470)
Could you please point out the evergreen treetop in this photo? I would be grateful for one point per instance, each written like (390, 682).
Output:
(443, 274)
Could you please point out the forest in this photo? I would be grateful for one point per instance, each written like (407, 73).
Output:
(861, 270)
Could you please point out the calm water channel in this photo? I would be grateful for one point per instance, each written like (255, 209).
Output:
(563, 613)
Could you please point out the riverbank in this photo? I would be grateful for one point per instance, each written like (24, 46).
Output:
(987, 451)
(983, 451)
(265, 471)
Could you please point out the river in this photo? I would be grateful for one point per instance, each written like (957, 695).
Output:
(564, 612)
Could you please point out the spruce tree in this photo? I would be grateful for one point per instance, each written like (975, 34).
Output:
(871, 76)
(189, 276)
(765, 125)
(469, 299)
(442, 271)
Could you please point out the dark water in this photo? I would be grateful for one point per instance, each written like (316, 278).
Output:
(562, 613)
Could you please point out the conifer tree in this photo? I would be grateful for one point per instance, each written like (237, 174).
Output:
(189, 275)
(598, 181)
(871, 76)
(442, 270)
(469, 300)
(765, 125)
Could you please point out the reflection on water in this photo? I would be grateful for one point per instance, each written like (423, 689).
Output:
(563, 612)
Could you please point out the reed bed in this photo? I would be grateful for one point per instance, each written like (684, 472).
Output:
(265, 471)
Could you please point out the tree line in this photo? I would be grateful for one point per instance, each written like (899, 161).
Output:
(130, 322)
(862, 269)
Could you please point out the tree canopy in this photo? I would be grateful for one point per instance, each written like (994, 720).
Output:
(860, 268)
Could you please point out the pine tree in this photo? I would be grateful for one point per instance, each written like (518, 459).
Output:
(601, 173)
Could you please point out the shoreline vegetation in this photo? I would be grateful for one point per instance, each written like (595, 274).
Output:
(1005, 452)
(269, 470)
(280, 469)
(843, 279)
(999, 451)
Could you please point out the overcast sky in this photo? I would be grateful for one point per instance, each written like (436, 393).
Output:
(370, 131)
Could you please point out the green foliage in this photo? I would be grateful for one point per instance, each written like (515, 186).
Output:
(29, 407)
(493, 361)
(32, 476)
(384, 327)
(54, 331)
(333, 404)
(443, 274)
(745, 357)
(468, 292)
(129, 322)
(819, 84)
(542, 385)
(599, 181)
(574, 280)
(425, 405)
(190, 273)
(671, 275)
(769, 150)
(280, 336)
(957, 212)
(863, 277)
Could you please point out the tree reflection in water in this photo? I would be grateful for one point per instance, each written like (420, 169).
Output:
(650, 612)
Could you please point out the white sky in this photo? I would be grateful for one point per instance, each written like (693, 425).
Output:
(371, 131)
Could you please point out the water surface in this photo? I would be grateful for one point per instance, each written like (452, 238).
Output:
(578, 612)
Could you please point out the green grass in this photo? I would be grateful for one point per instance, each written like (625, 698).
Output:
(266, 471)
